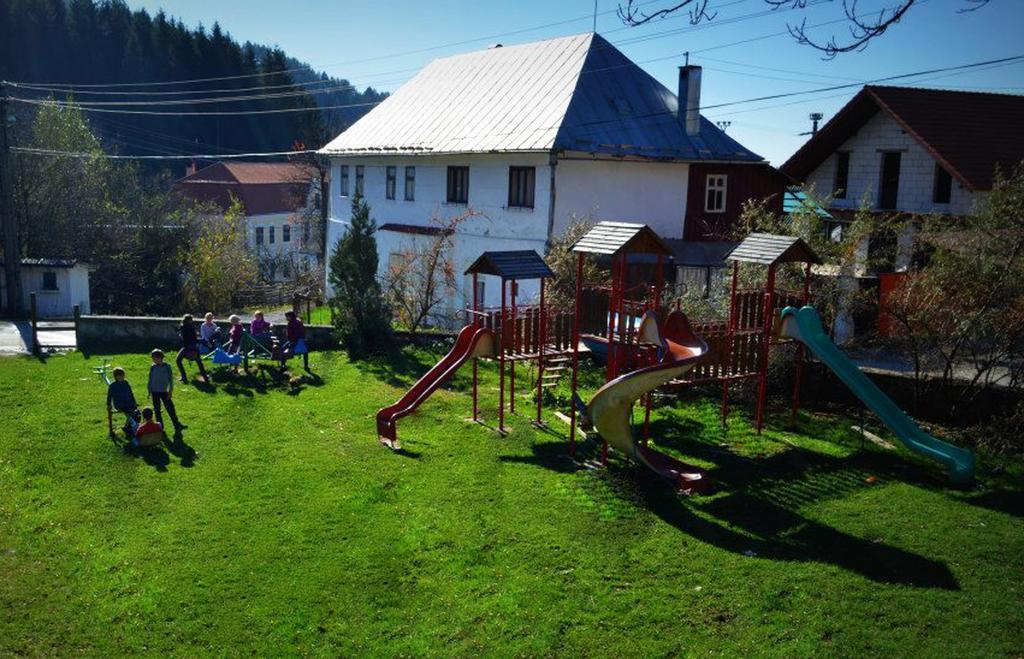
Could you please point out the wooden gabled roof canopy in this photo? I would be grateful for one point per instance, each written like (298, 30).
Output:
(518, 264)
(770, 249)
(618, 237)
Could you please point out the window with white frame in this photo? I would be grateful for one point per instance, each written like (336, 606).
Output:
(360, 176)
(714, 197)
(343, 180)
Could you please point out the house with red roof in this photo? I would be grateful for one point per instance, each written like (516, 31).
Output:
(913, 151)
(281, 203)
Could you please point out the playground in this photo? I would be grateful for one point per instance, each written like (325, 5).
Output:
(496, 525)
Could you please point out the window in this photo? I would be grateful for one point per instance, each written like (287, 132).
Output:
(943, 188)
(49, 280)
(271, 241)
(458, 185)
(259, 235)
(410, 183)
(343, 178)
(714, 198)
(389, 189)
(842, 174)
(888, 189)
(305, 232)
(286, 233)
(521, 184)
(359, 179)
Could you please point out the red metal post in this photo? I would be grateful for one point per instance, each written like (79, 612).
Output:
(515, 349)
(476, 324)
(501, 363)
(799, 357)
(541, 339)
(610, 367)
(575, 352)
(659, 282)
(769, 317)
(729, 341)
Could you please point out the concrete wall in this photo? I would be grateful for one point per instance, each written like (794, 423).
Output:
(99, 332)
(917, 171)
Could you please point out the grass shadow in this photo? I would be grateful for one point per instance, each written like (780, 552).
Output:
(178, 448)
(154, 456)
(397, 368)
(1008, 501)
(757, 513)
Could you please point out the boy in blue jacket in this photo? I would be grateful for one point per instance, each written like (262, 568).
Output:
(120, 397)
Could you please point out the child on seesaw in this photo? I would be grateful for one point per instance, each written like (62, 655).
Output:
(149, 432)
(120, 397)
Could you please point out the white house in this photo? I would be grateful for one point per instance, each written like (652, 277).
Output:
(280, 200)
(528, 137)
(59, 284)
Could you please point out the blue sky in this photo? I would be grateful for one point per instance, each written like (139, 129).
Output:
(381, 44)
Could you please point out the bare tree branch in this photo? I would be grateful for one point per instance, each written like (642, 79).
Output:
(863, 27)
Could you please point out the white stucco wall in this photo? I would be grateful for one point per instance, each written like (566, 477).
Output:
(624, 191)
(72, 288)
(650, 193)
(495, 227)
(917, 171)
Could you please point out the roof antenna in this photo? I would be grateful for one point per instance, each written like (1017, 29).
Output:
(595, 17)
(687, 56)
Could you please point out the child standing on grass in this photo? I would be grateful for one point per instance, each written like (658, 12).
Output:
(189, 348)
(209, 333)
(296, 332)
(120, 397)
(161, 384)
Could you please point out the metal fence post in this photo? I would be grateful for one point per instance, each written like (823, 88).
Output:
(78, 318)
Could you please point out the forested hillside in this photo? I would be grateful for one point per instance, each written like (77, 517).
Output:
(55, 45)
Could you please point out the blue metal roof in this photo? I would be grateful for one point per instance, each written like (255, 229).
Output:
(795, 198)
(620, 109)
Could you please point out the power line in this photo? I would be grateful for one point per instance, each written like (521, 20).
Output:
(197, 156)
(211, 113)
(958, 68)
(189, 81)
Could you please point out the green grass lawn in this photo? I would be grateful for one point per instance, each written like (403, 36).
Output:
(277, 524)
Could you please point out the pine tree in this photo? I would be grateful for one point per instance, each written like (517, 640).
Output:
(358, 310)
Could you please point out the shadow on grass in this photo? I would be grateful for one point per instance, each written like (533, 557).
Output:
(397, 368)
(757, 514)
(1008, 501)
(155, 456)
(178, 448)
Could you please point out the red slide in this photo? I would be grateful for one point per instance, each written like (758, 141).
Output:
(471, 342)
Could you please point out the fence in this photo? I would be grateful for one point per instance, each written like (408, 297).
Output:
(523, 334)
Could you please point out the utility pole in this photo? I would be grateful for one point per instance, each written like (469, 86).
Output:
(12, 243)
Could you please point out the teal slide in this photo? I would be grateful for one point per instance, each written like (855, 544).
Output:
(804, 325)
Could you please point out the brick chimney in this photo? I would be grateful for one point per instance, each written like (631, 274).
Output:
(190, 169)
(689, 99)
